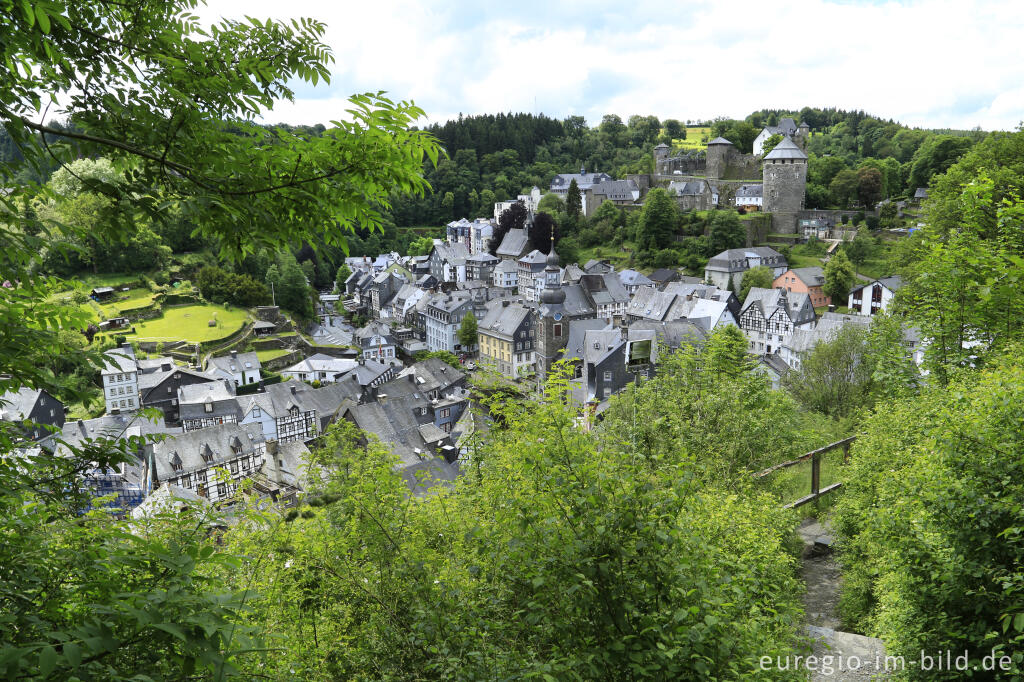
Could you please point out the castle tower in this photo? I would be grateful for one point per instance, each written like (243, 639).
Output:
(553, 333)
(803, 135)
(784, 174)
(719, 151)
(661, 153)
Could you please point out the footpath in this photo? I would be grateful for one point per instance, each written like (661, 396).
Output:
(822, 576)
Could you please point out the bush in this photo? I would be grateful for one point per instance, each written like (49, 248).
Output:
(930, 520)
(872, 223)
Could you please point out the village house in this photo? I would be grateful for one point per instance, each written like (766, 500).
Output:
(208, 404)
(448, 262)
(531, 201)
(750, 196)
(319, 367)
(530, 270)
(120, 376)
(444, 315)
(805, 281)
(238, 368)
(479, 266)
(633, 280)
(294, 411)
(192, 460)
(725, 270)
(615, 358)
(873, 297)
(506, 338)
(561, 182)
(35, 406)
(619, 192)
(506, 274)
(770, 316)
(159, 388)
(376, 342)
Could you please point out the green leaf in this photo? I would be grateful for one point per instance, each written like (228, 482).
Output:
(47, 661)
(73, 653)
(44, 21)
(171, 629)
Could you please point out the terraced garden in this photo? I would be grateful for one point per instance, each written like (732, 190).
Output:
(190, 323)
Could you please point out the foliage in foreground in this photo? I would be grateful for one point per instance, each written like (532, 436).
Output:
(561, 554)
(931, 520)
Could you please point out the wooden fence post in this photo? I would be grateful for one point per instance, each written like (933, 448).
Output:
(815, 474)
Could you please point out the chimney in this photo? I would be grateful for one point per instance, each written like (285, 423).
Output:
(234, 354)
(272, 448)
(293, 389)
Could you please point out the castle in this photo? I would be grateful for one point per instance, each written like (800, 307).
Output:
(701, 181)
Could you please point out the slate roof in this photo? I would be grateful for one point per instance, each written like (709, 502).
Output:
(650, 303)
(750, 191)
(787, 126)
(151, 380)
(503, 321)
(114, 426)
(787, 149)
(506, 266)
(119, 360)
(18, 405)
(368, 371)
(577, 332)
(192, 401)
(216, 441)
(620, 190)
(583, 180)
(921, 193)
(576, 303)
(683, 188)
(242, 362)
(813, 276)
(434, 374)
(675, 333)
(719, 140)
(892, 283)
(735, 260)
(631, 278)
(663, 275)
(796, 304)
(535, 257)
(513, 244)
(322, 363)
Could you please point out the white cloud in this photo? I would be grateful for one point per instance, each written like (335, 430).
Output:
(941, 63)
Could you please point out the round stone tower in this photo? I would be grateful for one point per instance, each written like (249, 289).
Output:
(661, 153)
(785, 184)
(719, 150)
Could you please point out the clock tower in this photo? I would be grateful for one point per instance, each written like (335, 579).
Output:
(553, 332)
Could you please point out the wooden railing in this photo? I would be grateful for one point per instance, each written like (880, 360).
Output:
(815, 457)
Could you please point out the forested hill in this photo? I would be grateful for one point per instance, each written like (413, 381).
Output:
(493, 157)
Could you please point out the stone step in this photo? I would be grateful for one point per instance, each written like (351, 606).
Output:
(852, 657)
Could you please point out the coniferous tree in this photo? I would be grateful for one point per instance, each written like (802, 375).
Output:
(574, 200)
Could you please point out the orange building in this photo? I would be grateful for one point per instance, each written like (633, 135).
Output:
(806, 281)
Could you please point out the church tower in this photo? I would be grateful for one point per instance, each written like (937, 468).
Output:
(553, 332)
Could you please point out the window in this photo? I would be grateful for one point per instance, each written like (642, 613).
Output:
(607, 376)
(208, 407)
(556, 330)
(131, 402)
(122, 404)
(446, 412)
(256, 412)
(169, 389)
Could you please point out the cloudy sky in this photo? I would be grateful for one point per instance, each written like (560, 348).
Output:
(932, 63)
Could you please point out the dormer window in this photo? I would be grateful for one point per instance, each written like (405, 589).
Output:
(207, 453)
(176, 462)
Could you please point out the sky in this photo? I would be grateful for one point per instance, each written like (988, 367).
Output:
(931, 63)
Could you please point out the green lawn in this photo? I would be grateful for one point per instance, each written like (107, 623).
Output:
(696, 138)
(136, 298)
(190, 323)
(267, 355)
